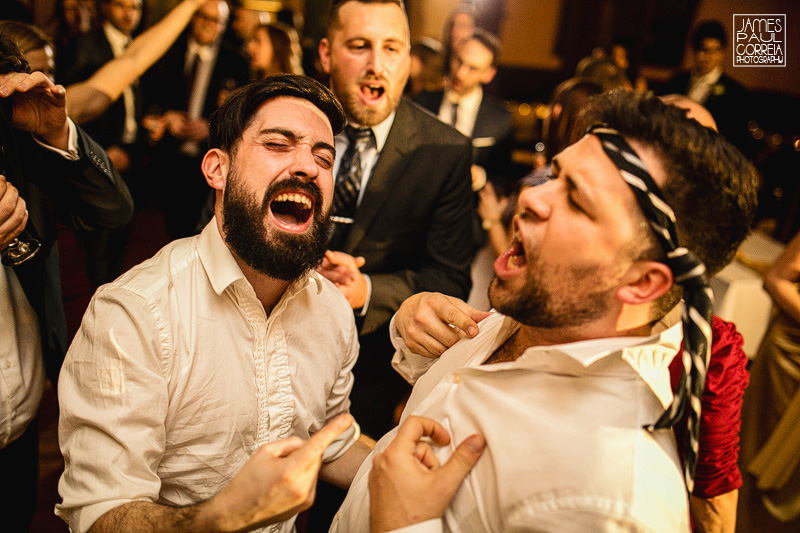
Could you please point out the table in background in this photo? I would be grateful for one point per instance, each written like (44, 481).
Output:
(739, 293)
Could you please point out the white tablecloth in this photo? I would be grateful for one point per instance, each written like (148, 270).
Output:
(739, 293)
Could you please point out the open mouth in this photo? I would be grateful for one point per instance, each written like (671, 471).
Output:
(512, 260)
(372, 92)
(292, 211)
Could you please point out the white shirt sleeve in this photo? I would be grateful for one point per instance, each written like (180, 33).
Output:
(112, 376)
(429, 526)
(72, 154)
(408, 364)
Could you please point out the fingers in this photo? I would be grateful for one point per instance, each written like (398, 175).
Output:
(21, 82)
(325, 436)
(417, 427)
(426, 456)
(463, 459)
(282, 448)
(13, 213)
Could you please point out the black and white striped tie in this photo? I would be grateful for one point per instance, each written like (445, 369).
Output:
(348, 184)
(689, 272)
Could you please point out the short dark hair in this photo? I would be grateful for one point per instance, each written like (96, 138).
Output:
(710, 185)
(11, 58)
(708, 29)
(235, 114)
(489, 41)
(336, 5)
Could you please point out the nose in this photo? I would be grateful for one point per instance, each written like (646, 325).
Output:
(304, 165)
(377, 61)
(537, 201)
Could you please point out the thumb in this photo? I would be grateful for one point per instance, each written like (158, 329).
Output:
(463, 459)
(360, 262)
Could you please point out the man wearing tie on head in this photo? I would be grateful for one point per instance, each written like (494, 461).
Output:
(402, 206)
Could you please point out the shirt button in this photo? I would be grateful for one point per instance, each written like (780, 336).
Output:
(456, 378)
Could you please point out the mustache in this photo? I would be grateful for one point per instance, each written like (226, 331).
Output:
(293, 184)
(373, 77)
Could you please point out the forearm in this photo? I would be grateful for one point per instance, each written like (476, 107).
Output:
(342, 470)
(146, 49)
(151, 517)
(784, 293)
(715, 515)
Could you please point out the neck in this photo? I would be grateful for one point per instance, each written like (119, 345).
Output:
(268, 290)
(629, 323)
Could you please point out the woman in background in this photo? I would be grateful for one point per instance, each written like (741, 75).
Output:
(770, 451)
(274, 48)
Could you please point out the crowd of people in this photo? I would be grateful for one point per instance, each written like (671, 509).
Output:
(363, 305)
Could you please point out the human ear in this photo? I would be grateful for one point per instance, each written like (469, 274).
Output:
(488, 75)
(644, 282)
(325, 55)
(215, 167)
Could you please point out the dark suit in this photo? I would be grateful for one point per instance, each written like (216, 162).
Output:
(413, 227)
(491, 136)
(87, 194)
(104, 249)
(726, 102)
(181, 190)
(76, 63)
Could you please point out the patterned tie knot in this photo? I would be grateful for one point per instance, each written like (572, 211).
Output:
(359, 136)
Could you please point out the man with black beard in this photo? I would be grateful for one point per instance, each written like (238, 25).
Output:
(195, 377)
(562, 400)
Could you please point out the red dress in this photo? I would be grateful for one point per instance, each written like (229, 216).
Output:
(717, 470)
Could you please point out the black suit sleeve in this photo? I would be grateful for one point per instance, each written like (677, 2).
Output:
(447, 247)
(89, 193)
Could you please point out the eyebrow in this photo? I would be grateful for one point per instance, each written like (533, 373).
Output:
(292, 136)
(573, 187)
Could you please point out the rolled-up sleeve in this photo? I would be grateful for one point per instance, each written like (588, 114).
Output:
(113, 401)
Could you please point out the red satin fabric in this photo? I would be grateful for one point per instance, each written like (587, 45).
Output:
(717, 471)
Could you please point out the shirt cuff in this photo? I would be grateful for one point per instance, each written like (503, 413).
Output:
(72, 154)
(408, 364)
(363, 311)
(433, 525)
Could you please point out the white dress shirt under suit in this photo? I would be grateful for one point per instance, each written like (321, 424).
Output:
(566, 451)
(177, 375)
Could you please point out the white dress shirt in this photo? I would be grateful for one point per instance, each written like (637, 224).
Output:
(565, 449)
(468, 106)
(177, 375)
(700, 86)
(22, 375)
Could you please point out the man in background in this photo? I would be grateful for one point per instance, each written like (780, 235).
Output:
(403, 205)
(181, 91)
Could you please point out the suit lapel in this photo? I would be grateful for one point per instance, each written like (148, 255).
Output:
(385, 175)
(482, 120)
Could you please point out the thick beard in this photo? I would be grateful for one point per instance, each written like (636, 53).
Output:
(278, 254)
(537, 306)
(356, 111)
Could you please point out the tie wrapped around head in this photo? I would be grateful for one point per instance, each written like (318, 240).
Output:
(689, 272)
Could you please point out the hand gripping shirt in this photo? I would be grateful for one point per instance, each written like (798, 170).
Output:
(566, 450)
(177, 375)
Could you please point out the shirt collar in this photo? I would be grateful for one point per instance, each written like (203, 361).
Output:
(223, 270)
(116, 38)
(379, 130)
(205, 52)
(710, 78)
(470, 100)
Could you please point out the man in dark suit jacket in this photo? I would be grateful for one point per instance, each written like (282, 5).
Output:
(116, 130)
(181, 92)
(412, 228)
(709, 86)
(474, 113)
(61, 174)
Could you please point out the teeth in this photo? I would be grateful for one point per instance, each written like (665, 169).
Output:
(296, 198)
(514, 261)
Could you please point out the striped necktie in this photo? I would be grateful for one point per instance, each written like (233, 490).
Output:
(689, 272)
(348, 183)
